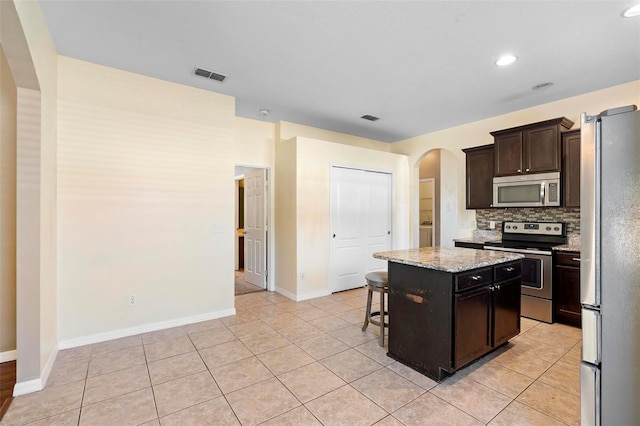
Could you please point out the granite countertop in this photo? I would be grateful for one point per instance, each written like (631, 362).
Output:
(476, 240)
(570, 246)
(447, 259)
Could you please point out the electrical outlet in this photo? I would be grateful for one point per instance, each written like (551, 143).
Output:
(132, 300)
(217, 228)
(492, 224)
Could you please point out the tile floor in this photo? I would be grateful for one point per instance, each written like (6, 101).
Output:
(278, 362)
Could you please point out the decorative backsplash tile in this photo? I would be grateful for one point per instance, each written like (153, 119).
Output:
(571, 216)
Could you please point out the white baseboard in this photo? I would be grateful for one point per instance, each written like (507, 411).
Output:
(8, 356)
(35, 385)
(131, 331)
(29, 386)
(301, 297)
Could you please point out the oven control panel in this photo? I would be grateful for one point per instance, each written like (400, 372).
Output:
(534, 228)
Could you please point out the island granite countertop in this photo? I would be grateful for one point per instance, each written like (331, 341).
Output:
(448, 259)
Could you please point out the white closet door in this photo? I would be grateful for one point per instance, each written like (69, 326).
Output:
(254, 227)
(360, 225)
(378, 213)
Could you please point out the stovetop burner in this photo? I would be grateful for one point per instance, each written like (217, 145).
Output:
(531, 235)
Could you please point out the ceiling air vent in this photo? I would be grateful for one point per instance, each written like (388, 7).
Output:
(209, 74)
(370, 117)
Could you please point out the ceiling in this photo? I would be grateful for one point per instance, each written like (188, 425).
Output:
(419, 66)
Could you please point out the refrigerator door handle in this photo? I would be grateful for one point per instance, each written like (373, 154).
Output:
(589, 395)
(591, 336)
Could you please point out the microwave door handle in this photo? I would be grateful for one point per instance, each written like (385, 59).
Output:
(542, 185)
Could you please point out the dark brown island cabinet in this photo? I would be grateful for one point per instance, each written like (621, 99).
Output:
(567, 308)
(479, 177)
(441, 321)
(571, 168)
(533, 148)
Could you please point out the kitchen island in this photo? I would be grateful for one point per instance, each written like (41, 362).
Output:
(449, 306)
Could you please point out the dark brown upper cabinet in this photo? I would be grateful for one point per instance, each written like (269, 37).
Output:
(533, 148)
(479, 176)
(571, 168)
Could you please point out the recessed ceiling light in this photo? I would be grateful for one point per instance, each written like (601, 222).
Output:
(505, 60)
(632, 11)
(542, 86)
(264, 112)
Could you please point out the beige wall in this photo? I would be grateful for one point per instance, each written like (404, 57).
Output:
(311, 203)
(477, 133)
(7, 207)
(287, 130)
(286, 218)
(145, 171)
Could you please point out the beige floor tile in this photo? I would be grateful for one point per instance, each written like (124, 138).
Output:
(388, 389)
(215, 412)
(212, 337)
(299, 416)
(240, 374)
(48, 402)
(167, 333)
(501, 379)
(521, 415)
(336, 308)
(552, 337)
(428, 410)
(175, 367)
(285, 359)
(267, 311)
(353, 336)
(185, 392)
(354, 317)
(351, 365)
(113, 361)
(69, 418)
(226, 353)
(408, 373)
(299, 332)
(522, 363)
(311, 381)
(563, 378)
(167, 348)
(537, 349)
(345, 406)
(472, 398)
(154, 422)
(250, 329)
(572, 358)
(565, 330)
(67, 372)
(116, 344)
(238, 318)
(322, 346)
(265, 342)
(330, 323)
(79, 354)
(389, 421)
(203, 326)
(130, 409)
(527, 323)
(114, 384)
(356, 302)
(553, 402)
(376, 352)
(261, 402)
(283, 320)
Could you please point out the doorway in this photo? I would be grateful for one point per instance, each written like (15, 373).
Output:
(251, 203)
(427, 209)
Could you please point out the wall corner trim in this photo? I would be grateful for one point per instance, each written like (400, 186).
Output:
(29, 386)
(131, 331)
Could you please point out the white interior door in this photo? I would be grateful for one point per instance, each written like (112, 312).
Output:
(360, 225)
(255, 230)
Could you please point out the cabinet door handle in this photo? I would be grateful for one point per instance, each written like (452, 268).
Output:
(526, 170)
(497, 287)
(476, 277)
(510, 269)
(576, 259)
(519, 170)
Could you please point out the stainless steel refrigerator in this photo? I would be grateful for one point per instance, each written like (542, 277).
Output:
(610, 267)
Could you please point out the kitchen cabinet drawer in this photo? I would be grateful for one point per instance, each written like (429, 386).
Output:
(477, 246)
(570, 258)
(507, 271)
(473, 279)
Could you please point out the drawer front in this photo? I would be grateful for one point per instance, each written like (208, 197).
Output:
(473, 279)
(508, 270)
(568, 258)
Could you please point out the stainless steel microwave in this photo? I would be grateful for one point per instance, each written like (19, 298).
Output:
(535, 190)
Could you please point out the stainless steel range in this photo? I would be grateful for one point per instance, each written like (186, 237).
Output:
(535, 240)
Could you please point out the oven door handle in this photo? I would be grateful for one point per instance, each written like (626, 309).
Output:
(523, 251)
(542, 200)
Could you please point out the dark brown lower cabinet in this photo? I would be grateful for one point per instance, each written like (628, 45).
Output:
(567, 308)
(440, 321)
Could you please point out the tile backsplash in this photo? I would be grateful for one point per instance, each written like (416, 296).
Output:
(571, 216)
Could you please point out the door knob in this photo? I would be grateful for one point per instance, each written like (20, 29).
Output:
(334, 235)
